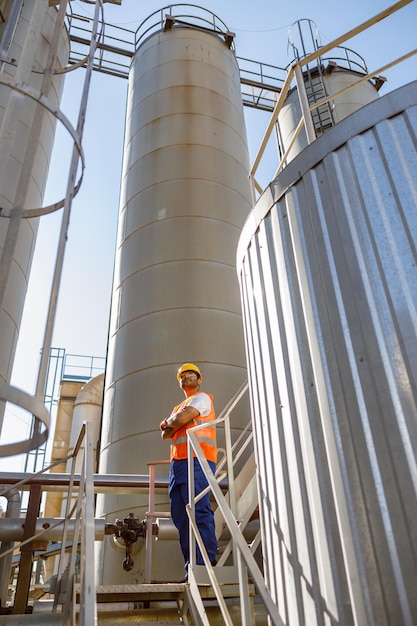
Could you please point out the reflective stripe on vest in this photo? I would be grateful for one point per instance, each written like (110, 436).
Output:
(206, 436)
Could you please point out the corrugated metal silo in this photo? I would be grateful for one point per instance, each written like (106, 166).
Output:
(185, 196)
(327, 267)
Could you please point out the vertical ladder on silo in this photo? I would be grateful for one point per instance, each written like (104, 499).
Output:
(322, 116)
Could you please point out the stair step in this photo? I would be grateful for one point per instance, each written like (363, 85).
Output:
(116, 618)
(46, 619)
(145, 592)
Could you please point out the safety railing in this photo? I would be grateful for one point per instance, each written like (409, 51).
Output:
(77, 536)
(184, 15)
(83, 535)
(260, 82)
(151, 516)
(114, 51)
(242, 555)
(295, 72)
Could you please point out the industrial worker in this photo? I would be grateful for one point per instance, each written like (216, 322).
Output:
(197, 408)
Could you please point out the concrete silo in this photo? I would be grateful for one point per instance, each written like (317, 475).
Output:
(185, 196)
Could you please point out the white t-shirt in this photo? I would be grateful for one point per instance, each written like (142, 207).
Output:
(202, 402)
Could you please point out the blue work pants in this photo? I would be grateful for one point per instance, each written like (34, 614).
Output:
(178, 493)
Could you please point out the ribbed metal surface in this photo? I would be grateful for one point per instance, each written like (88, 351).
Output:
(327, 265)
(185, 196)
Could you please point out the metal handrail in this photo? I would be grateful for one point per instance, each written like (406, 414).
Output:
(295, 71)
(200, 18)
(243, 557)
(81, 528)
(84, 533)
(260, 81)
(243, 554)
(151, 516)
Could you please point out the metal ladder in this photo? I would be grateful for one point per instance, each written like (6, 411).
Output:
(322, 116)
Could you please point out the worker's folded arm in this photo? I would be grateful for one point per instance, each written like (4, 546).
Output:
(182, 417)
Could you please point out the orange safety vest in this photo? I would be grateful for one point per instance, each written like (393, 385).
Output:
(206, 436)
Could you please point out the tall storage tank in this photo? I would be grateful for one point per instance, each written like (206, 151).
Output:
(25, 37)
(327, 268)
(331, 73)
(185, 196)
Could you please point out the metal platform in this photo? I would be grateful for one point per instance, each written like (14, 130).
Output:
(261, 83)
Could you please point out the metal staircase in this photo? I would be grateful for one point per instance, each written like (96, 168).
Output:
(235, 509)
(231, 593)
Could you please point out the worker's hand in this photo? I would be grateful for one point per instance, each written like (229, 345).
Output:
(167, 433)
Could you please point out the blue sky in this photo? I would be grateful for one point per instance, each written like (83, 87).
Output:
(261, 34)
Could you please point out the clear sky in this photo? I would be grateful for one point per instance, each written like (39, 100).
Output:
(261, 30)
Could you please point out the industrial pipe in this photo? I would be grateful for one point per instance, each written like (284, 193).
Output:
(164, 529)
(103, 483)
(11, 529)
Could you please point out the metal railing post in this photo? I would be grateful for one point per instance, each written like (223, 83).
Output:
(191, 500)
(88, 608)
(149, 521)
(229, 463)
(305, 106)
(151, 516)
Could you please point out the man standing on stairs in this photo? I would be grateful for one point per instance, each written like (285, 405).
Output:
(196, 409)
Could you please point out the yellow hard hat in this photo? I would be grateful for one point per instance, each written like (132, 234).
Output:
(188, 367)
